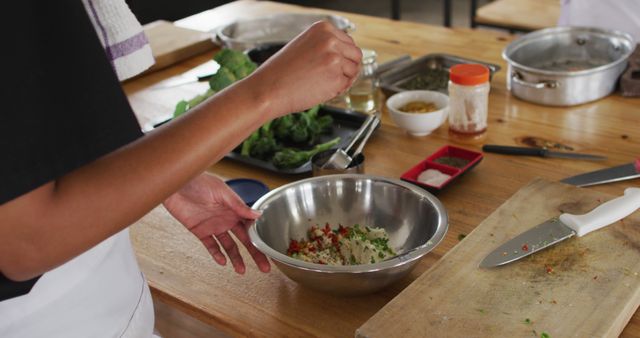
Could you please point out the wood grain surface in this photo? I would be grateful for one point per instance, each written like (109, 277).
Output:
(520, 14)
(265, 305)
(581, 287)
(171, 44)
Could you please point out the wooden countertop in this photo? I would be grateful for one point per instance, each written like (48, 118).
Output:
(182, 274)
(520, 14)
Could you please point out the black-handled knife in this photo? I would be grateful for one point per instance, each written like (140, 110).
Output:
(542, 152)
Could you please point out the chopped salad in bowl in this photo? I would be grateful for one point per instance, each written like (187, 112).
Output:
(349, 245)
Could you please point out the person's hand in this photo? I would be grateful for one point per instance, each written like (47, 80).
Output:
(212, 211)
(316, 66)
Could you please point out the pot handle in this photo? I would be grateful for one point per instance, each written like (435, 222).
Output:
(517, 78)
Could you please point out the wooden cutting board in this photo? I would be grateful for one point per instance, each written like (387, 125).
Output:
(171, 44)
(582, 287)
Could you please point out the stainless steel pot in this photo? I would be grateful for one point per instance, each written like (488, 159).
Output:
(273, 29)
(565, 66)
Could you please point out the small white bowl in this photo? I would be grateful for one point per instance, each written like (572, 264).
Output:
(418, 124)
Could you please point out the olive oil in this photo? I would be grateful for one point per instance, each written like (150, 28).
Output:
(361, 96)
(361, 100)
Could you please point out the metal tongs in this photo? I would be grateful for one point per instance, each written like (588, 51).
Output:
(341, 159)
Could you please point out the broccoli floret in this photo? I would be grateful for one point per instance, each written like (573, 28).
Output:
(198, 99)
(236, 61)
(290, 158)
(242, 70)
(265, 146)
(249, 142)
(304, 127)
(324, 123)
(260, 144)
(181, 108)
(221, 79)
(313, 111)
(307, 126)
(282, 126)
(300, 130)
(229, 57)
(234, 65)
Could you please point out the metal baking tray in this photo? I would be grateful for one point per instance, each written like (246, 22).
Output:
(391, 82)
(345, 125)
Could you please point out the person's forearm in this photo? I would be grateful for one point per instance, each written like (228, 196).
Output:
(80, 209)
(56, 222)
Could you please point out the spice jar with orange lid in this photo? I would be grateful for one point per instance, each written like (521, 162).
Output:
(468, 101)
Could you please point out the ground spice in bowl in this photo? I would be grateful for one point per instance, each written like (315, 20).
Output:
(452, 161)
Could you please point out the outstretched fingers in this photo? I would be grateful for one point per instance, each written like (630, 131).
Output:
(240, 232)
(214, 249)
(230, 247)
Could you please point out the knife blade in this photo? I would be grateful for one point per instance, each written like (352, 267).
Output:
(200, 73)
(560, 228)
(609, 175)
(542, 152)
(183, 80)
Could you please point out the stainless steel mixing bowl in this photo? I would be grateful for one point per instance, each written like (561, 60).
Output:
(415, 220)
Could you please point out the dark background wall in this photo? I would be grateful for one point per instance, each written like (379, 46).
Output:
(424, 11)
(171, 10)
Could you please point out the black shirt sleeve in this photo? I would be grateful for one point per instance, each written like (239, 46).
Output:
(63, 106)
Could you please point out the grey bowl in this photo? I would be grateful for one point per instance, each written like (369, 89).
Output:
(415, 220)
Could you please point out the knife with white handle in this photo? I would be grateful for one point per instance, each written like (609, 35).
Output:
(605, 214)
(567, 225)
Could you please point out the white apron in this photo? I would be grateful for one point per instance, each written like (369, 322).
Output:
(100, 293)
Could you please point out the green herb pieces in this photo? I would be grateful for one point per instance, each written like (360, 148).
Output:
(544, 335)
(430, 79)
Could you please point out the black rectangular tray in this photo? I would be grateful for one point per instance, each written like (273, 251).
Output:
(391, 81)
(345, 125)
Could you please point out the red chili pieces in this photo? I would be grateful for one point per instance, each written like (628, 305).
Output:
(525, 248)
(327, 229)
(294, 247)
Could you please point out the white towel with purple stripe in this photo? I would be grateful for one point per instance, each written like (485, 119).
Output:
(121, 36)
